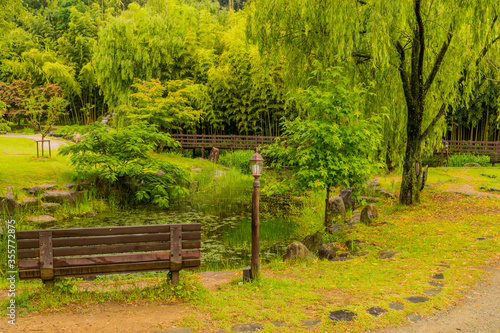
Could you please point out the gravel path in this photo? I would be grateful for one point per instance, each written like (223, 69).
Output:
(478, 311)
(54, 143)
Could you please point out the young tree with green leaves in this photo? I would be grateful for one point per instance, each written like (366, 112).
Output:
(423, 55)
(336, 145)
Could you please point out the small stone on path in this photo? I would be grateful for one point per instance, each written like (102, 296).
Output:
(246, 328)
(413, 317)
(278, 323)
(435, 284)
(376, 311)
(342, 315)
(310, 323)
(39, 188)
(387, 254)
(50, 206)
(484, 238)
(432, 292)
(396, 306)
(439, 276)
(443, 265)
(42, 219)
(417, 299)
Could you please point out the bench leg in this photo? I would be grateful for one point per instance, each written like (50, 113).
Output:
(175, 277)
(48, 283)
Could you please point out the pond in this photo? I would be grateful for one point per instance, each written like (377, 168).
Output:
(226, 240)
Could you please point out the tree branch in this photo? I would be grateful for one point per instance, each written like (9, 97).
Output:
(421, 41)
(403, 74)
(434, 121)
(437, 63)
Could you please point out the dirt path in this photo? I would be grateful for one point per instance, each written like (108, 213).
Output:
(54, 143)
(478, 311)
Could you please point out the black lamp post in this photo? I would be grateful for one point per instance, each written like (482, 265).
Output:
(256, 166)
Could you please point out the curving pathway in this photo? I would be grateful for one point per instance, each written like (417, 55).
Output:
(54, 143)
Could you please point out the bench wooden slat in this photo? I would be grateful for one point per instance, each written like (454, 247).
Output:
(73, 251)
(109, 269)
(106, 260)
(108, 231)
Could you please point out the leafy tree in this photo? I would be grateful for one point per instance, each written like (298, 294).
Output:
(335, 145)
(122, 160)
(424, 56)
(3, 125)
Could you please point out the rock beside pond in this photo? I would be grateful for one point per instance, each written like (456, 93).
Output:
(7, 204)
(71, 197)
(50, 206)
(336, 210)
(28, 202)
(297, 251)
(42, 220)
(313, 242)
(369, 214)
(39, 188)
(472, 165)
(328, 251)
(348, 198)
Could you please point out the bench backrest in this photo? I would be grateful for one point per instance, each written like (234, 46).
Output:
(53, 253)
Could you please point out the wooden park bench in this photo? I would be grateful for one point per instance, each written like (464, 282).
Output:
(56, 253)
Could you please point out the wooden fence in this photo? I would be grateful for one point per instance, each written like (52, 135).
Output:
(232, 142)
(490, 148)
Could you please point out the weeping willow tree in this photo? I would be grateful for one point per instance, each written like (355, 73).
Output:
(423, 55)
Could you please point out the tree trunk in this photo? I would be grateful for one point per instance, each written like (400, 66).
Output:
(327, 208)
(410, 193)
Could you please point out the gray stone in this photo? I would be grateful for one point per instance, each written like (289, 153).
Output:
(343, 257)
(28, 202)
(484, 238)
(349, 200)
(417, 299)
(7, 205)
(50, 206)
(355, 219)
(42, 220)
(413, 317)
(313, 242)
(297, 251)
(435, 284)
(370, 199)
(396, 306)
(328, 251)
(472, 165)
(310, 322)
(369, 214)
(385, 193)
(342, 315)
(77, 137)
(278, 323)
(443, 265)
(71, 186)
(438, 276)
(432, 292)
(176, 330)
(336, 211)
(376, 311)
(10, 195)
(71, 197)
(387, 254)
(246, 328)
(91, 214)
(342, 226)
(39, 188)
(489, 176)
(373, 183)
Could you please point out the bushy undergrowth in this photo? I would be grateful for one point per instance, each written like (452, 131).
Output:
(239, 159)
(458, 160)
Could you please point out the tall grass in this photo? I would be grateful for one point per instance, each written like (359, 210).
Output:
(458, 160)
(239, 159)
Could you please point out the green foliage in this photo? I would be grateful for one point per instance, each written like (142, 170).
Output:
(458, 160)
(120, 158)
(3, 125)
(336, 146)
(239, 159)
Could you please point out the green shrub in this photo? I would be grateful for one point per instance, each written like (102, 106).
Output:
(458, 160)
(239, 159)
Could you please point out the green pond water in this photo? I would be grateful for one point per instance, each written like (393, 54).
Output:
(226, 240)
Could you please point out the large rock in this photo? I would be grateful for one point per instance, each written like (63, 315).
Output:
(313, 242)
(369, 214)
(7, 205)
(214, 155)
(71, 197)
(328, 251)
(385, 193)
(349, 200)
(50, 206)
(28, 202)
(42, 220)
(39, 188)
(472, 165)
(297, 251)
(336, 211)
